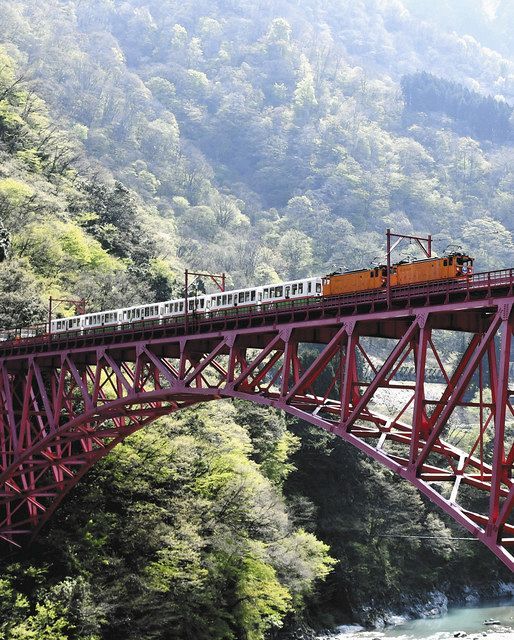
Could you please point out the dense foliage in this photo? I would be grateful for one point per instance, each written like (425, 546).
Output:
(393, 547)
(178, 534)
(485, 117)
(269, 140)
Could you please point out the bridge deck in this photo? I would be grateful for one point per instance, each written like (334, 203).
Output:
(472, 295)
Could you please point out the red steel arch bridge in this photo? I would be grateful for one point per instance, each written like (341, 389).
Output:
(366, 369)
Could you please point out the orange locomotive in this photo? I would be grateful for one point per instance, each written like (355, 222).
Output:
(456, 265)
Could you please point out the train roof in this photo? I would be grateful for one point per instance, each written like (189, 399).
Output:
(395, 264)
(457, 254)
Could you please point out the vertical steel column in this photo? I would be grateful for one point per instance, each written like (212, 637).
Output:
(349, 373)
(418, 421)
(290, 351)
(500, 411)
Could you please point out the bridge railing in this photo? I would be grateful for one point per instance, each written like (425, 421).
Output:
(487, 281)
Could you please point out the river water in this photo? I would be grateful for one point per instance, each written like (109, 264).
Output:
(469, 619)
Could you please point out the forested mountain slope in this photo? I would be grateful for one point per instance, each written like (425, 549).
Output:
(267, 139)
(273, 134)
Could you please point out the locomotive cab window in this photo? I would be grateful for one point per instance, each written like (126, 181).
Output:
(445, 263)
(318, 287)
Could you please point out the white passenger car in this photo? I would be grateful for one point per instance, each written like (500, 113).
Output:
(204, 304)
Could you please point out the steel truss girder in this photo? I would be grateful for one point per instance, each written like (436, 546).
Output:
(60, 412)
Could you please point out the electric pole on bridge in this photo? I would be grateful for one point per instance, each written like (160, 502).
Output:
(54, 303)
(419, 240)
(218, 279)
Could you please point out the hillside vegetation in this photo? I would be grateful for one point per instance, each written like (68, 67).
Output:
(268, 140)
(272, 138)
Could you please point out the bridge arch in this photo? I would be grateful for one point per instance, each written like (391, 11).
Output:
(65, 404)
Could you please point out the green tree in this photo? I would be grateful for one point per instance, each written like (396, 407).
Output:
(20, 295)
(295, 249)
